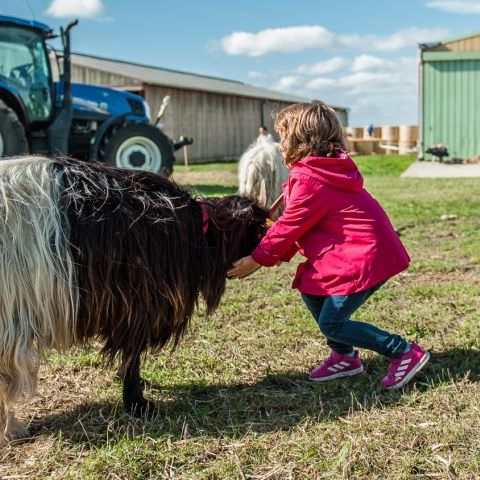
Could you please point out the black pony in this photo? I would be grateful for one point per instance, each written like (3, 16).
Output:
(115, 254)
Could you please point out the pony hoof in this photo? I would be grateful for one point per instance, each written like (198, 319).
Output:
(16, 431)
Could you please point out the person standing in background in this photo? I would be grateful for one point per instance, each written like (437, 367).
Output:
(263, 135)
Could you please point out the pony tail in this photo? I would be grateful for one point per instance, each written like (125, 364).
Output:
(39, 297)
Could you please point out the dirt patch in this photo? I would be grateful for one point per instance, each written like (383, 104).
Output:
(205, 178)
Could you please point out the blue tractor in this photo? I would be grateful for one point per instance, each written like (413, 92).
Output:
(40, 115)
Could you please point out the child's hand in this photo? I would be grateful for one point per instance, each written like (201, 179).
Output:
(243, 268)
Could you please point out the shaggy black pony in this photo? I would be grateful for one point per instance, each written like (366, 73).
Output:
(89, 251)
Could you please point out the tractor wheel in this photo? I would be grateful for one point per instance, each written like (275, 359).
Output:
(13, 140)
(140, 147)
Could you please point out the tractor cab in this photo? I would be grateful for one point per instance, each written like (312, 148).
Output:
(25, 68)
(40, 115)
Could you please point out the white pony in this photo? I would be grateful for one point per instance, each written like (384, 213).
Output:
(261, 171)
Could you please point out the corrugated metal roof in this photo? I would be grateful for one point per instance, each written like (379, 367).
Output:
(433, 45)
(459, 39)
(177, 79)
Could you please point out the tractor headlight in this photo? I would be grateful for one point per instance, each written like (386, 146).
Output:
(139, 107)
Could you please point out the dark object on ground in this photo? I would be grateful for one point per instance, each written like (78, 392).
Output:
(439, 151)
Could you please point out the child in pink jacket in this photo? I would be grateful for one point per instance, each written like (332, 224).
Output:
(350, 245)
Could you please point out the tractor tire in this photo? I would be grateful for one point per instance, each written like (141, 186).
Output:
(140, 147)
(13, 140)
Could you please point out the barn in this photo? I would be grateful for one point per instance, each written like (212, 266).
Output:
(450, 97)
(221, 115)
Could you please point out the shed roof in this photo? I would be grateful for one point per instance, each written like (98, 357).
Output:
(178, 79)
(468, 42)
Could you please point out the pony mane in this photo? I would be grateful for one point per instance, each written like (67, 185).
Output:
(238, 224)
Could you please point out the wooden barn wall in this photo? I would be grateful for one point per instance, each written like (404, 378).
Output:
(222, 125)
(97, 77)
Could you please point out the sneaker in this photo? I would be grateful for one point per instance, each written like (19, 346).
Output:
(337, 366)
(405, 367)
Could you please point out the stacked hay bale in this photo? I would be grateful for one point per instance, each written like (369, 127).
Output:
(407, 139)
(390, 137)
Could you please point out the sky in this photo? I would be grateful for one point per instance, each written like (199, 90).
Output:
(361, 54)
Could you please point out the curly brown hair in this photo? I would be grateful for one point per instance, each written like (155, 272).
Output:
(309, 129)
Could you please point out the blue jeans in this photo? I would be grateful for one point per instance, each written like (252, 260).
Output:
(333, 317)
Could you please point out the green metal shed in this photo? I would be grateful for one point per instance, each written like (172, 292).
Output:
(450, 97)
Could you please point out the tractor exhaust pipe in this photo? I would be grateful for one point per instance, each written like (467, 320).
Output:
(67, 66)
(59, 130)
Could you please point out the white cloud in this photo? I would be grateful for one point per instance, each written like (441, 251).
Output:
(396, 41)
(359, 83)
(255, 74)
(408, 37)
(360, 63)
(76, 8)
(321, 84)
(364, 63)
(460, 6)
(327, 66)
(375, 89)
(294, 39)
(288, 83)
(369, 62)
(289, 39)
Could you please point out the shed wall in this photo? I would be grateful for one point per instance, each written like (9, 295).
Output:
(222, 125)
(451, 106)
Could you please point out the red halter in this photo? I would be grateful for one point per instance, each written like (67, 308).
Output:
(204, 216)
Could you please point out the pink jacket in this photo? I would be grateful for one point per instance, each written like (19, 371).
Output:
(344, 233)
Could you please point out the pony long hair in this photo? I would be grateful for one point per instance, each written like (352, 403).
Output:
(261, 172)
(39, 299)
(88, 250)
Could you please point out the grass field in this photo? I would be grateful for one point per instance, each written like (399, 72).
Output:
(233, 400)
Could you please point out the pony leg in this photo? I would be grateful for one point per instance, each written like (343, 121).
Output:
(10, 428)
(120, 375)
(133, 400)
(16, 378)
(15, 430)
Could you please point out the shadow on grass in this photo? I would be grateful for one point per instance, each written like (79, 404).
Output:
(211, 190)
(277, 402)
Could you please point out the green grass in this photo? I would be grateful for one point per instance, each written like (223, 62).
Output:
(383, 165)
(233, 400)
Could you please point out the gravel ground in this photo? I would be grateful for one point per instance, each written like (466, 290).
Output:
(441, 170)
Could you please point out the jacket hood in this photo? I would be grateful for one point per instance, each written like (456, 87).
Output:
(339, 172)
